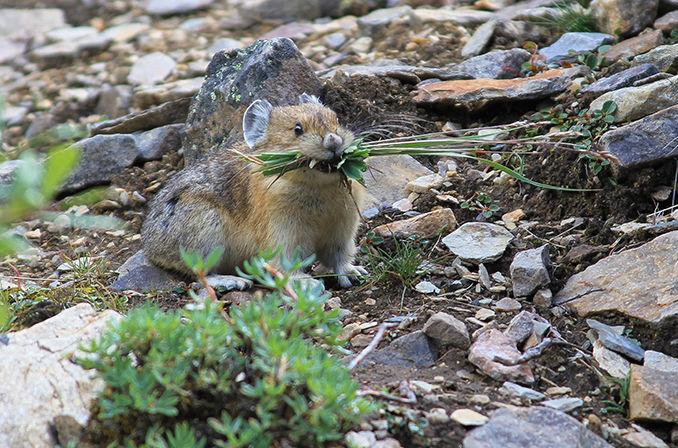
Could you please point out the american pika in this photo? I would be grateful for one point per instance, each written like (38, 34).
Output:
(224, 201)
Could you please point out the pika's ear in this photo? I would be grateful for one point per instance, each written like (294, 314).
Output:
(305, 98)
(255, 122)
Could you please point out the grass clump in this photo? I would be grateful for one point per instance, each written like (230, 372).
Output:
(254, 376)
(570, 16)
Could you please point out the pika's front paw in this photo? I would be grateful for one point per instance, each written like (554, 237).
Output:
(229, 282)
(348, 272)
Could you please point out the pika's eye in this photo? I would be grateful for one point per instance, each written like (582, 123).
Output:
(298, 130)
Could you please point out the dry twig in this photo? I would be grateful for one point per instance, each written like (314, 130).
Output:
(372, 345)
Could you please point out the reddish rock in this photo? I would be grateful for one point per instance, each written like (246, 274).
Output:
(629, 48)
(653, 395)
(423, 226)
(493, 343)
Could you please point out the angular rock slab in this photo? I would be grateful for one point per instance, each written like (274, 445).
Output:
(652, 139)
(574, 43)
(629, 48)
(638, 102)
(494, 344)
(268, 69)
(638, 283)
(41, 382)
(423, 226)
(664, 57)
(534, 427)
(530, 271)
(620, 80)
(478, 242)
(476, 94)
(653, 395)
(138, 274)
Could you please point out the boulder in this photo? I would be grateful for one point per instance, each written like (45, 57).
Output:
(644, 141)
(269, 69)
(534, 427)
(638, 102)
(624, 17)
(40, 381)
(477, 94)
(478, 242)
(530, 271)
(637, 283)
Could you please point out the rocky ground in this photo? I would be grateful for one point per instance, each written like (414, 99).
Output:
(514, 316)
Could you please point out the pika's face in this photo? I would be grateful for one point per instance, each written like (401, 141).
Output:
(309, 127)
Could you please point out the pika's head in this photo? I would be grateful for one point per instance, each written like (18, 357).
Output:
(309, 127)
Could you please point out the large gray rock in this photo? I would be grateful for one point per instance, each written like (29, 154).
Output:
(637, 283)
(165, 8)
(40, 381)
(625, 78)
(271, 69)
(530, 271)
(637, 102)
(138, 274)
(664, 57)
(651, 139)
(535, 427)
(287, 10)
(478, 242)
(574, 43)
(624, 17)
(477, 94)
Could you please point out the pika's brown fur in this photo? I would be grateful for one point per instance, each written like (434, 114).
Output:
(224, 201)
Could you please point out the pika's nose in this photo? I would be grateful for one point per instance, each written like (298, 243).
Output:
(333, 143)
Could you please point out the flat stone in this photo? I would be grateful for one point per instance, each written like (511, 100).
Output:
(660, 361)
(151, 69)
(480, 39)
(664, 57)
(411, 350)
(271, 69)
(101, 158)
(150, 95)
(644, 141)
(476, 94)
(615, 341)
(620, 80)
(614, 364)
(10, 49)
(138, 274)
(460, 16)
(286, 10)
(493, 343)
(667, 22)
(48, 383)
(623, 17)
(125, 32)
(565, 404)
(164, 114)
(165, 8)
(571, 44)
(447, 330)
(425, 183)
(225, 44)
(380, 18)
(530, 271)
(629, 48)
(293, 30)
(653, 395)
(469, 417)
(478, 242)
(386, 179)
(71, 33)
(637, 102)
(637, 283)
(507, 305)
(534, 427)
(497, 64)
(66, 51)
(519, 391)
(24, 24)
(153, 144)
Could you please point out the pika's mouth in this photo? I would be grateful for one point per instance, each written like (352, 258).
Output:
(325, 166)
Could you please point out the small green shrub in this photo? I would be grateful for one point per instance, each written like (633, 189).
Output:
(252, 377)
(399, 262)
(570, 16)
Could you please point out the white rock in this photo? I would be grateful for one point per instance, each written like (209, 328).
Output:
(425, 183)
(478, 242)
(427, 288)
(566, 404)
(151, 69)
(468, 417)
(39, 380)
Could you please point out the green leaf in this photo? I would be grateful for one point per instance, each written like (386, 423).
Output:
(214, 257)
(58, 166)
(609, 107)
